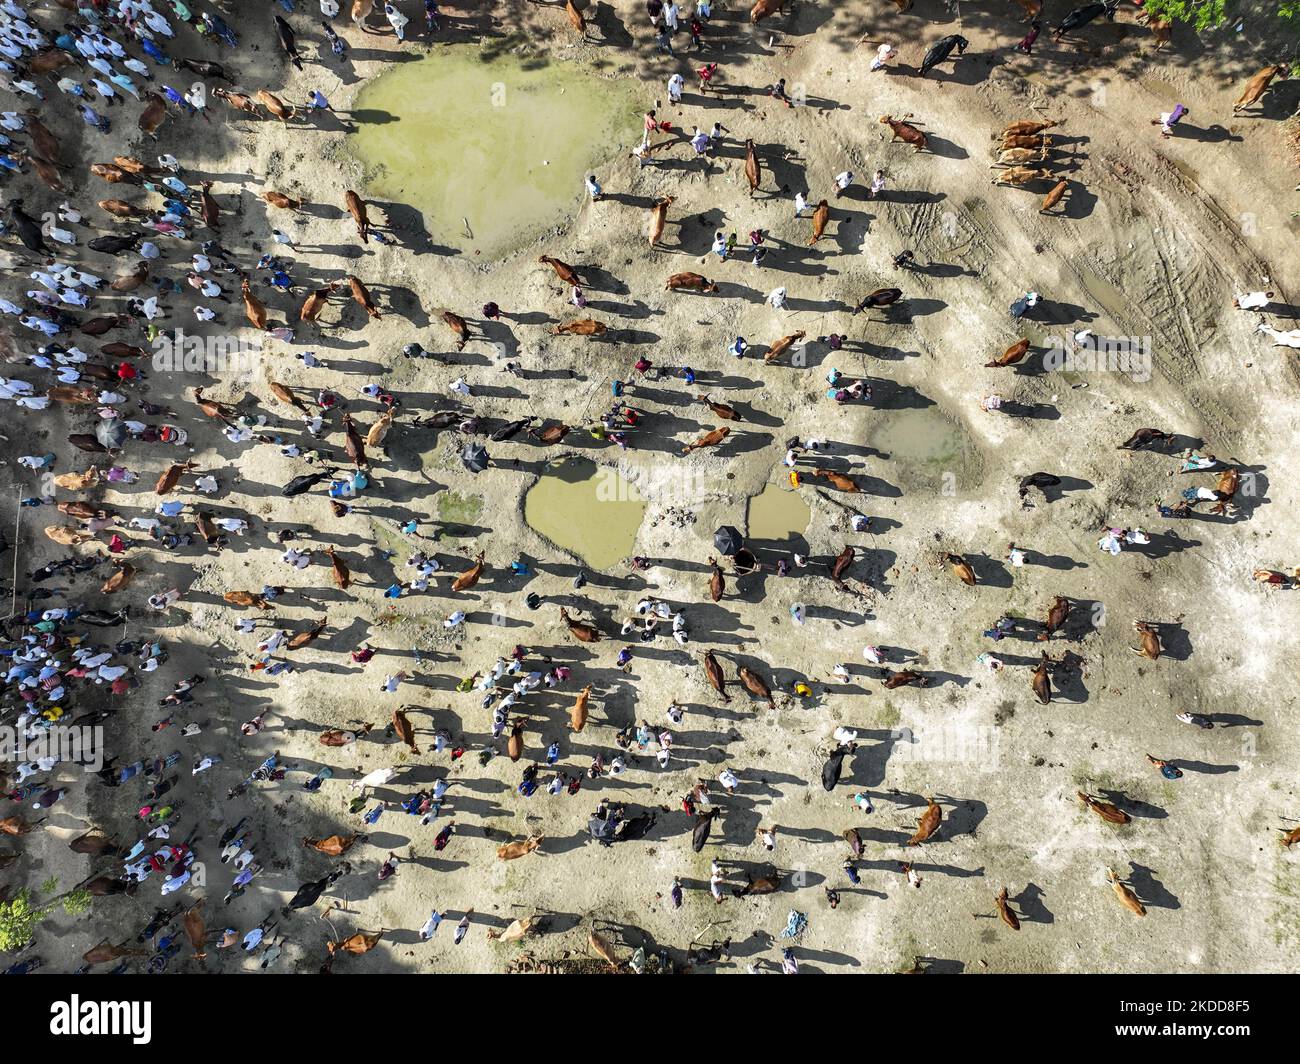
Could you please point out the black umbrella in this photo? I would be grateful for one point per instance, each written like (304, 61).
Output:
(728, 540)
(111, 433)
(474, 457)
(602, 830)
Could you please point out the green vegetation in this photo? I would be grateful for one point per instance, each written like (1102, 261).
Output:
(1204, 15)
(19, 919)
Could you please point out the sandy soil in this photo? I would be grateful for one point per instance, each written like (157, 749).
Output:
(1155, 238)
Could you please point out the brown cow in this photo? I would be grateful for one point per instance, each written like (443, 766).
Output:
(1025, 140)
(342, 575)
(1024, 127)
(279, 199)
(1004, 910)
(753, 171)
(962, 568)
(905, 131)
(1054, 196)
(763, 8)
(821, 215)
(459, 326)
(77, 481)
(93, 843)
(1020, 156)
(1112, 814)
(1257, 86)
(66, 393)
(254, 308)
(195, 931)
(904, 678)
(841, 564)
(550, 434)
(658, 217)
(275, 105)
(334, 845)
(357, 944)
(15, 825)
(713, 672)
(689, 282)
(580, 630)
(45, 142)
(1056, 618)
(1226, 488)
(515, 741)
(105, 952)
(575, 18)
(153, 115)
(1020, 175)
(1010, 356)
(578, 712)
(246, 598)
(170, 477)
(129, 282)
(123, 572)
(1040, 683)
(709, 439)
(45, 170)
(928, 824)
(783, 345)
(66, 535)
(238, 101)
(361, 296)
(511, 850)
(357, 208)
(285, 394)
(839, 481)
(563, 270)
(403, 729)
(380, 429)
(580, 327)
(756, 685)
(1150, 639)
(470, 576)
(49, 60)
(717, 585)
(768, 883)
(209, 209)
(1161, 28)
(722, 410)
(314, 305)
(1126, 897)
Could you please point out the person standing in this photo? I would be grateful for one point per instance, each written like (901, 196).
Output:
(397, 20)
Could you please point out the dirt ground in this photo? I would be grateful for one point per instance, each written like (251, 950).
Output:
(1155, 237)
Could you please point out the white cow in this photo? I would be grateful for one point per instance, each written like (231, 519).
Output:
(1281, 339)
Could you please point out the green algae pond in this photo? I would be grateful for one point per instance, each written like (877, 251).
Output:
(500, 145)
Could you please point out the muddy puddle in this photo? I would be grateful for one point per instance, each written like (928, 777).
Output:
(924, 446)
(776, 513)
(497, 149)
(589, 510)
